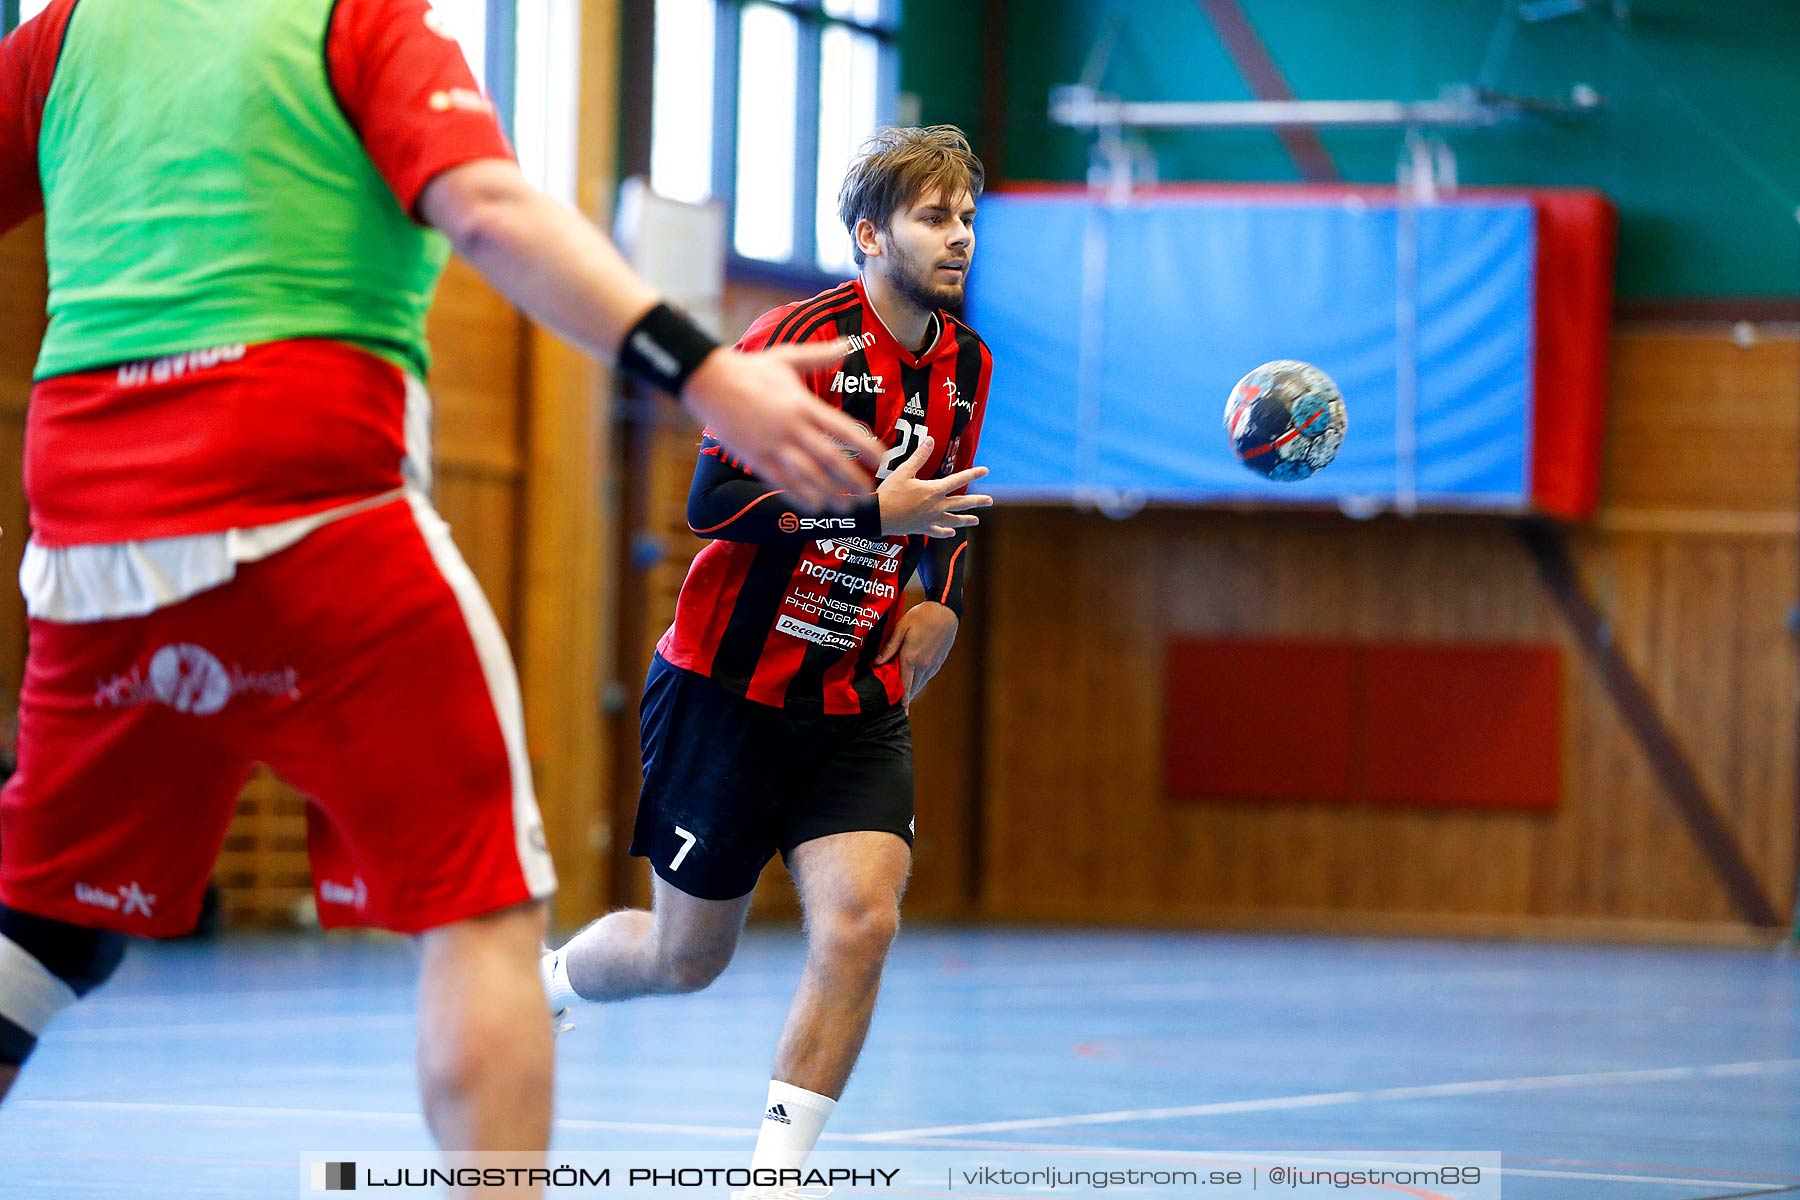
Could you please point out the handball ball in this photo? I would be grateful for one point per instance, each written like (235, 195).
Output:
(1286, 420)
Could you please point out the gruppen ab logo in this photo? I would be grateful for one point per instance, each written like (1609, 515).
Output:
(334, 1177)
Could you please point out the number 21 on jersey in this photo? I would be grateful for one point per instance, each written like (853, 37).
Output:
(911, 434)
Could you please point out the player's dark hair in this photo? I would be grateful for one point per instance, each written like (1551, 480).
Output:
(898, 166)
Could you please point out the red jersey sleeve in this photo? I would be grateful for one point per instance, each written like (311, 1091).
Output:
(27, 63)
(407, 89)
(761, 334)
(789, 325)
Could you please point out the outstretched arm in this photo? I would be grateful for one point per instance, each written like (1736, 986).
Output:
(563, 272)
(435, 138)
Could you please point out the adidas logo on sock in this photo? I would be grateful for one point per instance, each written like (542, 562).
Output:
(777, 1112)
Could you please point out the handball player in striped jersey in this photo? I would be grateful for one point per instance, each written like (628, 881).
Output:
(247, 205)
(775, 716)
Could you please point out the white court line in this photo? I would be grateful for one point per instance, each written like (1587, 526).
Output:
(156, 1108)
(303, 1025)
(1764, 1186)
(1001, 977)
(1476, 1087)
(216, 1110)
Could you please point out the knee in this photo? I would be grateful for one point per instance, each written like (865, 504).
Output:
(486, 1051)
(858, 933)
(685, 969)
(45, 966)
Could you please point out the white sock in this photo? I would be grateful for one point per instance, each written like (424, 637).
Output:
(554, 967)
(792, 1123)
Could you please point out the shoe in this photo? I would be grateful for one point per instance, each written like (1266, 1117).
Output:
(547, 972)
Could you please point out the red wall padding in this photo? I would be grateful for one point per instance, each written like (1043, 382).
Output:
(1577, 231)
(1433, 724)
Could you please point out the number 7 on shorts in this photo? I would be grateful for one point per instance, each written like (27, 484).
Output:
(687, 843)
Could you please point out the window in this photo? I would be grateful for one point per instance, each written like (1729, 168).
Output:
(762, 104)
(547, 94)
(468, 20)
(681, 106)
(17, 12)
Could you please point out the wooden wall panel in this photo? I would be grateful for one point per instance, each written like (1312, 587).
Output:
(263, 874)
(569, 527)
(478, 399)
(1075, 821)
(1700, 424)
(483, 514)
(22, 287)
(12, 549)
(477, 376)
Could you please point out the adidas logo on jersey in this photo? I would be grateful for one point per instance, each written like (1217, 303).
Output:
(915, 405)
(777, 1112)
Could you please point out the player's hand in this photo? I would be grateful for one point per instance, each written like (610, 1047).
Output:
(922, 638)
(912, 505)
(757, 405)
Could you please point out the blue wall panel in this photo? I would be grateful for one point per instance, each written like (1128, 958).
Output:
(1476, 279)
(1188, 294)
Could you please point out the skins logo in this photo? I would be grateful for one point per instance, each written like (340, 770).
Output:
(790, 523)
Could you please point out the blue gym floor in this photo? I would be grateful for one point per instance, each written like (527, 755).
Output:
(1601, 1073)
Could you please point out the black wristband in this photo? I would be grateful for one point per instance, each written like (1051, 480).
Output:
(664, 348)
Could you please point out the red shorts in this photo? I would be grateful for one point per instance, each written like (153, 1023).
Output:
(362, 664)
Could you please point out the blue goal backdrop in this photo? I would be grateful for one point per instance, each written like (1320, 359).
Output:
(1118, 331)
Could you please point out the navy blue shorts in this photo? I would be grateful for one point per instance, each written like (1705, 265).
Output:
(729, 782)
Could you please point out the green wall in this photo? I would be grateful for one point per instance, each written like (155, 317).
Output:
(1695, 220)
(941, 62)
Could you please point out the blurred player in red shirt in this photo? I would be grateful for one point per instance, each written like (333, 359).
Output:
(247, 204)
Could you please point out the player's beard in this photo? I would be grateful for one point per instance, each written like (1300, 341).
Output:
(912, 278)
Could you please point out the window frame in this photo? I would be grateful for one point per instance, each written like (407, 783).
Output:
(500, 47)
(811, 21)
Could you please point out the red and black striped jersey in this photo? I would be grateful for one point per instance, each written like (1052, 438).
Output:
(789, 608)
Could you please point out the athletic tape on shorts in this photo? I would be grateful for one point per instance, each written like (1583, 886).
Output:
(29, 994)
